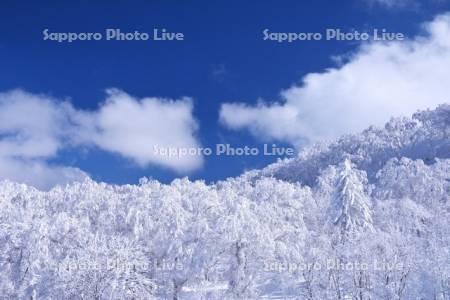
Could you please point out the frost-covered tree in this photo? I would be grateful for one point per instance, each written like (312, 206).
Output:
(352, 205)
(265, 234)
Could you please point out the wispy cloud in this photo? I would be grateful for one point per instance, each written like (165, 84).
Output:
(391, 4)
(402, 4)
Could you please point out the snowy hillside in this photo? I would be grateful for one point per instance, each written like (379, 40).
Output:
(363, 217)
(425, 136)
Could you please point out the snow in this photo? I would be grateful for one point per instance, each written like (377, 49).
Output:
(366, 216)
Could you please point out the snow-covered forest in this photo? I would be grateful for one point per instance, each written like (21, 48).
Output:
(364, 217)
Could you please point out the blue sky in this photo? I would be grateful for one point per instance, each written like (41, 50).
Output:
(223, 59)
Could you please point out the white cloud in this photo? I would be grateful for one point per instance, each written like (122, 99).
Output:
(38, 173)
(132, 127)
(380, 80)
(31, 131)
(34, 128)
(30, 125)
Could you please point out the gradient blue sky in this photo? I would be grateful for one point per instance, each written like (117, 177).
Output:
(223, 59)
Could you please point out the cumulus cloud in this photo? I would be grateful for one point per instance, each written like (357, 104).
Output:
(30, 125)
(34, 128)
(31, 132)
(379, 80)
(38, 173)
(132, 128)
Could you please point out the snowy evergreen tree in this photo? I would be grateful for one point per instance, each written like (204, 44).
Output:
(353, 207)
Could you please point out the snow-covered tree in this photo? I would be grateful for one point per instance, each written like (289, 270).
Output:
(269, 233)
(352, 205)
